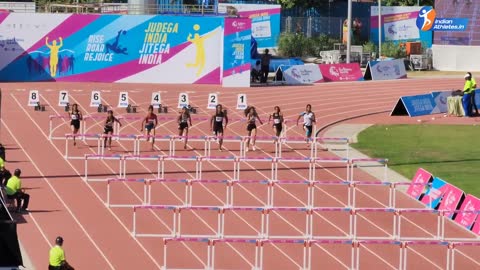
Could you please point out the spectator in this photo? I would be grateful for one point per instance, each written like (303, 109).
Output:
(2, 152)
(14, 191)
(4, 176)
(265, 65)
(57, 257)
(255, 73)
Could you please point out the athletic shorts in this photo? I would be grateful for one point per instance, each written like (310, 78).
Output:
(182, 126)
(75, 124)
(218, 129)
(107, 130)
(149, 126)
(279, 127)
(309, 130)
(251, 127)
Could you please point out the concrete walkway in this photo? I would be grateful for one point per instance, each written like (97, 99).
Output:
(351, 131)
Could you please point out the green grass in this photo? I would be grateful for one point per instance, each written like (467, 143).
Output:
(451, 153)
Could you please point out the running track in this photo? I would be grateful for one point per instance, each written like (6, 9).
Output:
(99, 238)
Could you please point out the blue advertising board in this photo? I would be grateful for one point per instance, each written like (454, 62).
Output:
(415, 106)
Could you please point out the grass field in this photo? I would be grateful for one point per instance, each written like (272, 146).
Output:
(451, 153)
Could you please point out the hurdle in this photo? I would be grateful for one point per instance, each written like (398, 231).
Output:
(94, 118)
(231, 159)
(235, 139)
(157, 158)
(244, 182)
(187, 195)
(358, 244)
(346, 210)
(331, 143)
(369, 162)
(440, 225)
(158, 138)
(125, 180)
(317, 184)
(452, 248)
(220, 220)
(51, 119)
(303, 242)
(84, 137)
(258, 139)
(257, 159)
(318, 161)
(211, 181)
(261, 232)
(394, 191)
(273, 183)
(173, 231)
(120, 137)
(293, 140)
(355, 184)
(101, 157)
(305, 210)
(331, 242)
(186, 239)
(446, 219)
(355, 212)
(175, 138)
(407, 244)
(306, 160)
(179, 158)
(235, 240)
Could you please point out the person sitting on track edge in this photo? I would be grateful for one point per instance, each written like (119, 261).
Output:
(14, 191)
(57, 259)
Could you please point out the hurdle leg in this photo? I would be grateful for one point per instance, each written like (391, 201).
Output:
(164, 255)
(212, 254)
(145, 191)
(149, 193)
(399, 226)
(270, 191)
(134, 226)
(309, 259)
(304, 264)
(439, 226)
(356, 265)
(188, 193)
(264, 227)
(452, 261)
(260, 259)
(405, 251)
(86, 170)
(50, 128)
(108, 193)
(394, 231)
(176, 223)
(66, 147)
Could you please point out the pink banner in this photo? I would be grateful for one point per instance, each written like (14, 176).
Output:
(341, 72)
(471, 203)
(417, 188)
(451, 198)
(476, 225)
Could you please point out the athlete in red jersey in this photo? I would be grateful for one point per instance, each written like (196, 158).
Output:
(150, 123)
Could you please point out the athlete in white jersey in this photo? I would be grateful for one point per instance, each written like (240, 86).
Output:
(308, 121)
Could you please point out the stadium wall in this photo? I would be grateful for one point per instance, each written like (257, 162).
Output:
(456, 58)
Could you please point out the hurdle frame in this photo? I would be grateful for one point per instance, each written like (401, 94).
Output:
(235, 240)
(378, 162)
(257, 159)
(306, 232)
(331, 209)
(357, 245)
(284, 241)
(220, 220)
(327, 141)
(120, 137)
(176, 138)
(173, 232)
(314, 161)
(406, 244)
(229, 139)
(102, 157)
(160, 170)
(394, 212)
(187, 239)
(440, 225)
(158, 138)
(233, 159)
(83, 137)
(452, 251)
(262, 231)
(51, 118)
(331, 241)
(125, 180)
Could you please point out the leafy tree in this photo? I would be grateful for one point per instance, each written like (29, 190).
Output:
(407, 2)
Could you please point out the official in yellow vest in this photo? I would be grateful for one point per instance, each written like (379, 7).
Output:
(472, 96)
(14, 191)
(57, 259)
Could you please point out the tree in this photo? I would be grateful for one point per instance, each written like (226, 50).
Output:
(407, 2)
(304, 3)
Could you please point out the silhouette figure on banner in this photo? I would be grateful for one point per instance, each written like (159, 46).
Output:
(54, 50)
(115, 46)
(199, 42)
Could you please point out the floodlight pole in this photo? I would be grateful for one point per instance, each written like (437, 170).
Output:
(349, 29)
(379, 29)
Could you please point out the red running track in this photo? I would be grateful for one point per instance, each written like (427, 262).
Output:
(62, 204)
